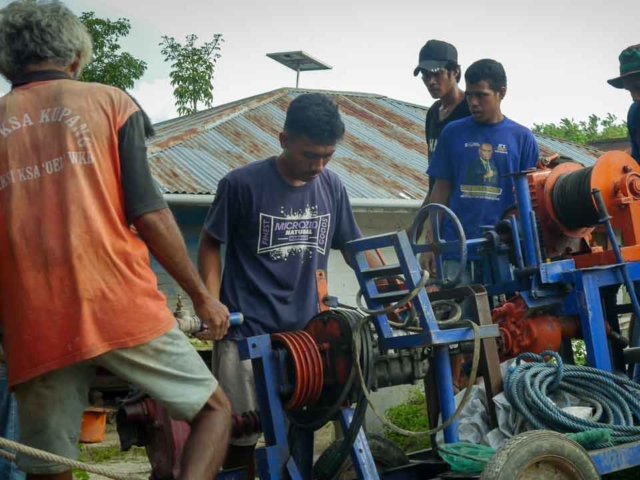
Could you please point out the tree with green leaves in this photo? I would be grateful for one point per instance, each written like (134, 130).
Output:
(595, 128)
(110, 65)
(192, 70)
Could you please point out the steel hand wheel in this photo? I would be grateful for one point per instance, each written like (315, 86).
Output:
(439, 246)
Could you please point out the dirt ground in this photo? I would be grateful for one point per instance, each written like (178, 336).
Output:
(134, 463)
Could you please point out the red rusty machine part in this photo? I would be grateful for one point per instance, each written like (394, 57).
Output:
(534, 331)
(145, 422)
(304, 366)
(566, 211)
(523, 330)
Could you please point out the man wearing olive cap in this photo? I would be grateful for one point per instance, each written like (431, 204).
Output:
(629, 79)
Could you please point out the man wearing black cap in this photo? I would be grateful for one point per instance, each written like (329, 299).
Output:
(438, 64)
(629, 79)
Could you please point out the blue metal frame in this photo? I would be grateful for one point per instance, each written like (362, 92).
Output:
(278, 455)
(618, 458)
(431, 335)
(557, 285)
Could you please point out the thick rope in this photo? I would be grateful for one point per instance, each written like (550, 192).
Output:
(615, 399)
(49, 457)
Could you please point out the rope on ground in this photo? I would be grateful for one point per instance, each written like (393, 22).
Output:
(615, 399)
(50, 457)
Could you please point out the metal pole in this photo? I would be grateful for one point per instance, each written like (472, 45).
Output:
(524, 207)
(297, 75)
(445, 391)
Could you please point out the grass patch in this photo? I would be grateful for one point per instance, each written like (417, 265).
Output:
(410, 415)
(97, 455)
(200, 344)
(109, 454)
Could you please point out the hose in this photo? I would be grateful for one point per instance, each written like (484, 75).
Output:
(363, 347)
(465, 398)
(396, 306)
(455, 321)
(615, 399)
(406, 300)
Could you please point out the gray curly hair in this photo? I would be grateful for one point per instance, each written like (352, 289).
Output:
(31, 33)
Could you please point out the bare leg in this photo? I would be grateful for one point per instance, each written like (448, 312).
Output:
(242, 457)
(206, 447)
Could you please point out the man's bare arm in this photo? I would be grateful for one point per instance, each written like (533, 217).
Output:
(160, 232)
(210, 263)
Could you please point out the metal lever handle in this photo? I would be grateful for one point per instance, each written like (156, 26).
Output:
(192, 324)
(236, 318)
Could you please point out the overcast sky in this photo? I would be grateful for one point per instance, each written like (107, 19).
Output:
(557, 54)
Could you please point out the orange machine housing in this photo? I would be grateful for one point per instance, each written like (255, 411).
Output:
(617, 175)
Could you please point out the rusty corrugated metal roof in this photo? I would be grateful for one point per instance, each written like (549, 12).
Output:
(383, 154)
(584, 154)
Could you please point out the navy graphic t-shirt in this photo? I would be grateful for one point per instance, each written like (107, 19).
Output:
(477, 159)
(277, 236)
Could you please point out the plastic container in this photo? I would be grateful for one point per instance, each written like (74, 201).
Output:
(94, 425)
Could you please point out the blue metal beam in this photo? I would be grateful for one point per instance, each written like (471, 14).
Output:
(617, 458)
(360, 453)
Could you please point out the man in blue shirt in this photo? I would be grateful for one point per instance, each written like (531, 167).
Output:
(278, 218)
(629, 79)
(474, 158)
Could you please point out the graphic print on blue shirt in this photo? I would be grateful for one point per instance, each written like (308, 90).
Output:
(276, 237)
(304, 230)
(478, 160)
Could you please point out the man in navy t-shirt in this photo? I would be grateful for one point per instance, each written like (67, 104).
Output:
(278, 218)
(475, 156)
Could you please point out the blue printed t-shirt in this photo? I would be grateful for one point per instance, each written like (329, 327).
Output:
(277, 236)
(477, 159)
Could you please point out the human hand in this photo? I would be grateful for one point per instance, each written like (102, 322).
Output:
(214, 316)
(428, 263)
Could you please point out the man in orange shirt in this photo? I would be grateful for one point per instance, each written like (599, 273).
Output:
(77, 290)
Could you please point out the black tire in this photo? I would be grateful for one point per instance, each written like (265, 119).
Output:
(385, 453)
(540, 454)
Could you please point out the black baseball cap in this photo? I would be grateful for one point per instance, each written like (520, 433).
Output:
(434, 55)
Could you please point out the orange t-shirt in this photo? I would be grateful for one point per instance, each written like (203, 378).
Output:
(75, 281)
